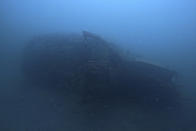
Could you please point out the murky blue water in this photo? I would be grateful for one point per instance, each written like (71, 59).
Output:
(157, 31)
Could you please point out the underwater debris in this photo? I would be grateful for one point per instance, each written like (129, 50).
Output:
(96, 71)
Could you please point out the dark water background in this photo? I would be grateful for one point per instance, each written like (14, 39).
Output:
(158, 31)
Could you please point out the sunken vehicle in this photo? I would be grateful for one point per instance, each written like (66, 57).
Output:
(97, 71)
